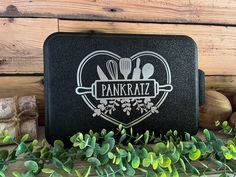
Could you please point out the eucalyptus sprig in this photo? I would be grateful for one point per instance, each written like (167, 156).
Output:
(124, 153)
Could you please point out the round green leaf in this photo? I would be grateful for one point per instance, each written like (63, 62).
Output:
(21, 148)
(7, 139)
(166, 162)
(89, 152)
(146, 162)
(94, 161)
(159, 148)
(110, 155)
(31, 166)
(104, 149)
(59, 143)
(135, 161)
(195, 155)
(35, 142)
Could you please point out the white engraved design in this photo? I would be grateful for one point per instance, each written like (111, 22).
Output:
(123, 92)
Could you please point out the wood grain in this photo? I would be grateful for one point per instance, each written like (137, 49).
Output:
(22, 86)
(21, 44)
(216, 44)
(33, 85)
(223, 84)
(177, 11)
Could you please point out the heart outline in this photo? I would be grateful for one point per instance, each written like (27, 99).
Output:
(117, 57)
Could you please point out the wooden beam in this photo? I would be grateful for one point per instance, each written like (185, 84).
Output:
(33, 85)
(21, 44)
(175, 11)
(216, 44)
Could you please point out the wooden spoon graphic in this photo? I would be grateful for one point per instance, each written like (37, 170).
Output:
(147, 70)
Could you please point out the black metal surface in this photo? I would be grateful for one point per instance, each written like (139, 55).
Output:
(78, 63)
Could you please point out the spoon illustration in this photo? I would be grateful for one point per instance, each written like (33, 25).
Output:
(147, 70)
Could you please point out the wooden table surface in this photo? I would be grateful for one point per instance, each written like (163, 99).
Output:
(80, 165)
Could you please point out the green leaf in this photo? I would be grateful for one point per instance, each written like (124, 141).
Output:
(151, 173)
(57, 162)
(202, 147)
(144, 153)
(3, 154)
(7, 139)
(88, 172)
(47, 170)
(146, 162)
(31, 166)
(155, 164)
(16, 174)
(195, 155)
(55, 174)
(163, 174)
(78, 174)
(175, 156)
(146, 136)
(130, 171)
(89, 152)
(81, 145)
(135, 161)
(35, 142)
(159, 148)
(110, 155)
(182, 164)
(166, 162)
(104, 149)
(25, 138)
(122, 138)
(120, 127)
(22, 148)
(2, 174)
(131, 148)
(94, 161)
(207, 134)
(175, 173)
(59, 143)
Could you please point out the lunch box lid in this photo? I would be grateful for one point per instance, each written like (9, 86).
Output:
(95, 81)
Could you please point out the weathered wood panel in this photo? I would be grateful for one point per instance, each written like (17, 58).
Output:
(21, 44)
(21, 86)
(33, 85)
(216, 44)
(177, 11)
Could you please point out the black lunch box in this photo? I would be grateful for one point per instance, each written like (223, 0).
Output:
(95, 81)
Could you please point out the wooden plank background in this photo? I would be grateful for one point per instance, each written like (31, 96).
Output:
(25, 24)
(174, 11)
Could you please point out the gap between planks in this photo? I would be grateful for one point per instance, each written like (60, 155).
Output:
(175, 11)
(22, 53)
(33, 85)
